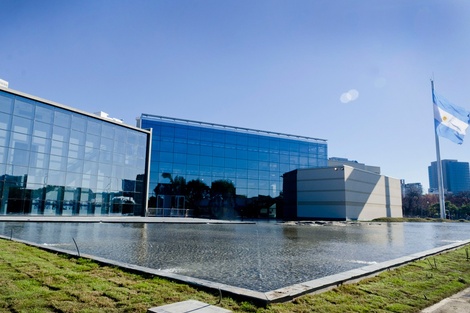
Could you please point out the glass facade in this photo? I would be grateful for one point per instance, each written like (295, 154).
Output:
(253, 161)
(455, 175)
(57, 161)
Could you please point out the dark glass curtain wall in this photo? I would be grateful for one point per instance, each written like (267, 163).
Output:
(252, 161)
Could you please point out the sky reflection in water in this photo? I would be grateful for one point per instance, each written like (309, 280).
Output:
(261, 257)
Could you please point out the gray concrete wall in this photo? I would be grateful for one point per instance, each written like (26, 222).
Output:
(346, 193)
(320, 193)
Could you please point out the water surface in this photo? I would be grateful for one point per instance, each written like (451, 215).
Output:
(261, 257)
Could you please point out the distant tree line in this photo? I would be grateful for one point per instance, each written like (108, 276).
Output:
(416, 204)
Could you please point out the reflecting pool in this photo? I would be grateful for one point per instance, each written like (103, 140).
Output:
(261, 257)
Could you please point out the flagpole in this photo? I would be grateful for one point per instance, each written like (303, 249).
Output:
(440, 181)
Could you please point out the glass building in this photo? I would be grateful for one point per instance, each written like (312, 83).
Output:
(253, 161)
(455, 176)
(55, 160)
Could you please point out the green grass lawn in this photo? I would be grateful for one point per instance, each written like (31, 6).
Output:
(34, 280)
(416, 219)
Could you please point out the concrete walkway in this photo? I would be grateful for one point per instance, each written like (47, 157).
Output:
(115, 219)
(458, 303)
(192, 306)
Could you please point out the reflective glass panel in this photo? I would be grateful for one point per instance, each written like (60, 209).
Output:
(6, 103)
(253, 161)
(79, 123)
(43, 130)
(21, 125)
(44, 114)
(46, 147)
(24, 108)
(4, 138)
(5, 121)
(62, 119)
(60, 133)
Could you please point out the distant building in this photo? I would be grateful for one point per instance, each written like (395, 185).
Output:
(3, 83)
(455, 175)
(340, 193)
(106, 116)
(335, 161)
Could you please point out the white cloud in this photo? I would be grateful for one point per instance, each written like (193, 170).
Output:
(349, 96)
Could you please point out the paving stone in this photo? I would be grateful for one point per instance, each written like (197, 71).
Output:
(192, 306)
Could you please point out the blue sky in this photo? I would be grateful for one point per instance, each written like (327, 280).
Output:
(356, 73)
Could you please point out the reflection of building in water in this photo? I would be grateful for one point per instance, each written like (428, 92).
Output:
(55, 160)
(13, 192)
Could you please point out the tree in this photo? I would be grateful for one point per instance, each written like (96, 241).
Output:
(452, 211)
(434, 210)
(168, 175)
(196, 191)
(459, 199)
(173, 193)
(179, 186)
(425, 203)
(457, 205)
(465, 211)
(223, 187)
(223, 194)
(411, 202)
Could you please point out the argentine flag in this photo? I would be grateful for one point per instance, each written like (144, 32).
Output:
(450, 120)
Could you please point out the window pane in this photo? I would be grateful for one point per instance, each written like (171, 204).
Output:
(79, 123)
(180, 148)
(23, 108)
(42, 129)
(107, 130)
(181, 132)
(60, 133)
(40, 144)
(4, 120)
(21, 125)
(20, 155)
(57, 162)
(180, 158)
(92, 141)
(6, 103)
(77, 138)
(39, 160)
(264, 166)
(43, 114)
(56, 178)
(62, 119)
(4, 138)
(93, 127)
(20, 140)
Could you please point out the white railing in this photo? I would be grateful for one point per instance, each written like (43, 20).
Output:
(170, 212)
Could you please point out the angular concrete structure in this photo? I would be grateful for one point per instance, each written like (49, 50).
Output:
(340, 193)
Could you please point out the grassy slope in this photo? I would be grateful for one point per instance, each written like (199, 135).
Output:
(415, 219)
(33, 280)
